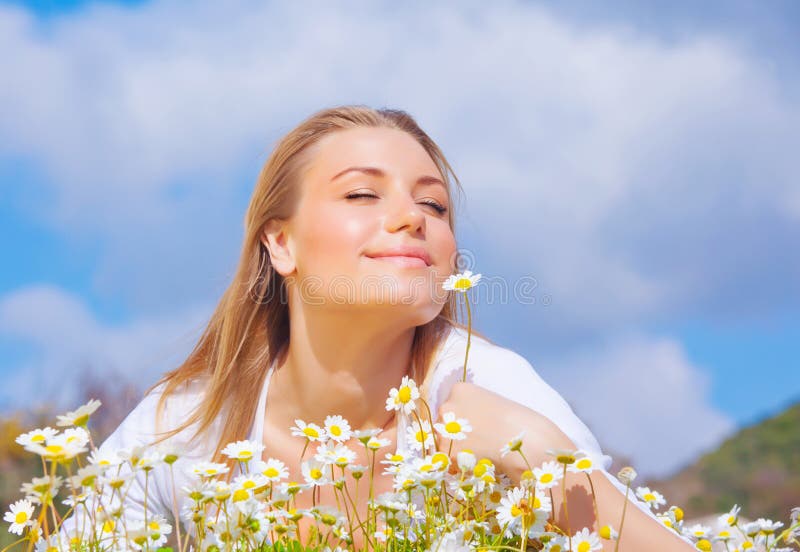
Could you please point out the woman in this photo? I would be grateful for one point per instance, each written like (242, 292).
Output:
(349, 237)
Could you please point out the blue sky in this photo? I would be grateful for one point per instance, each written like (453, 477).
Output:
(636, 159)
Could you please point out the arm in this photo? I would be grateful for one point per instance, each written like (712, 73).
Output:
(640, 531)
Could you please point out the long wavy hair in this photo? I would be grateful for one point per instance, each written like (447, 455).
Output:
(250, 325)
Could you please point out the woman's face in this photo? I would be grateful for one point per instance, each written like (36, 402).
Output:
(366, 191)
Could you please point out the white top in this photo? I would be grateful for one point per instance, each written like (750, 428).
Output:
(492, 367)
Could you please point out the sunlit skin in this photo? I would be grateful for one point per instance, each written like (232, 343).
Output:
(350, 343)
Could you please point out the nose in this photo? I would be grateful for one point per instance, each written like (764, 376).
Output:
(405, 214)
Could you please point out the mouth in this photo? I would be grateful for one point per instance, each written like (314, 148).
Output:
(402, 260)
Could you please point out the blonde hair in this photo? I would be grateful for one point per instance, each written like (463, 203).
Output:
(250, 325)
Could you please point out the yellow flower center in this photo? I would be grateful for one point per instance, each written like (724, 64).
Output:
(442, 458)
(463, 284)
(316, 473)
(397, 458)
(336, 430)
(746, 545)
(271, 472)
(245, 455)
(81, 420)
(420, 436)
(240, 494)
(154, 525)
(21, 517)
(546, 478)
(452, 427)
(249, 484)
(704, 545)
(649, 497)
(404, 395)
(54, 449)
(583, 463)
(584, 547)
(108, 526)
(605, 532)
(37, 438)
(495, 496)
(311, 432)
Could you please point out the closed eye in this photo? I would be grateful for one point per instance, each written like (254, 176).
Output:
(435, 204)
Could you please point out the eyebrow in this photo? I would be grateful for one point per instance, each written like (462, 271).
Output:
(374, 171)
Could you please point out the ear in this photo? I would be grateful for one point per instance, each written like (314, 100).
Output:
(276, 238)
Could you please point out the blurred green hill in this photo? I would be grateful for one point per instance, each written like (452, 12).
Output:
(757, 468)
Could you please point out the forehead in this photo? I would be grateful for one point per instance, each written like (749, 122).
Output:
(394, 151)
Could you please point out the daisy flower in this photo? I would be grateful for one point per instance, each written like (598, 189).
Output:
(402, 399)
(208, 469)
(626, 475)
(608, 532)
(417, 437)
(548, 475)
(515, 508)
(36, 437)
(364, 435)
(466, 460)
(376, 443)
(461, 282)
(653, 499)
(699, 531)
(357, 470)
(768, 527)
(343, 455)
(453, 428)
(243, 451)
(731, 517)
(104, 458)
(564, 456)
(314, 472)
(583, 463)
(312, 432)
(19, 515)
(586, 541)
(513, 445)
(80, 416)
(272, 469)
(337, 428)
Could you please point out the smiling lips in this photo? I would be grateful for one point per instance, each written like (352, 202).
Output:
(404, 256)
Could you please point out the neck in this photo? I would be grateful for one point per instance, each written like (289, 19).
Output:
(338, 364)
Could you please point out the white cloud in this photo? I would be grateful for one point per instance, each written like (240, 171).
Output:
(66, 338)
(643, 398)
(630, 175)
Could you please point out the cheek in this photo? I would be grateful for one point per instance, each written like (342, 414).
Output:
(332, 242)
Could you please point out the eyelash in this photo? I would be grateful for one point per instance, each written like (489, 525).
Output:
(439, 208)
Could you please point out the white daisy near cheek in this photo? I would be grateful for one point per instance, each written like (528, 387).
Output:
(461, 282)
(453, 428)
